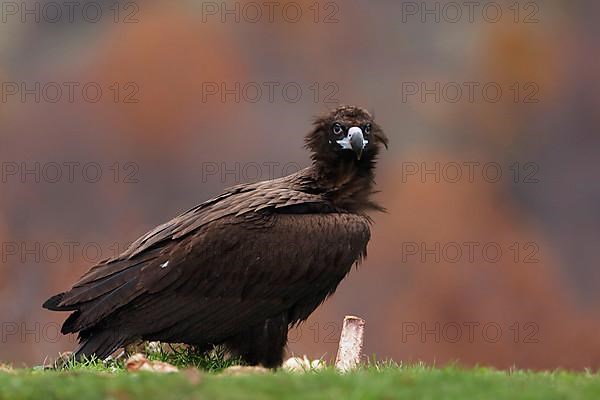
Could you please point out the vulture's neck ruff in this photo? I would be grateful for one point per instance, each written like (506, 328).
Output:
(344, 146)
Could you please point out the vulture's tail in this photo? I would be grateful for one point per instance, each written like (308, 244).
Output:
(95, 299)
(94, 341)
(99, 343)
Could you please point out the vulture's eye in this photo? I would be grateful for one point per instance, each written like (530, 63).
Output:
(367, 129)
(338, 129)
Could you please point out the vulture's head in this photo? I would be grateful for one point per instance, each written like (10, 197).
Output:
(347, 133)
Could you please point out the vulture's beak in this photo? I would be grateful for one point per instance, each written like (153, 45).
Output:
(354, 141)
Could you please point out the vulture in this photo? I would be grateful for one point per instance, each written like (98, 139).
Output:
(242, 268)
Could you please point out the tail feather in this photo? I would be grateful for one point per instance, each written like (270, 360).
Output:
(100, 344)
(102, 292)
(53, 303)
(69, 326)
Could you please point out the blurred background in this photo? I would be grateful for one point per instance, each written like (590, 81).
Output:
(116, 116)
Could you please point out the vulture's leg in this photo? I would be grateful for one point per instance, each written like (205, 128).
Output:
(263, 343)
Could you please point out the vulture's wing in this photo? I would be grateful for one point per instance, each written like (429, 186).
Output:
(246, 255)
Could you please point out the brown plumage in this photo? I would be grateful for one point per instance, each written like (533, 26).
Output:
(241, 268)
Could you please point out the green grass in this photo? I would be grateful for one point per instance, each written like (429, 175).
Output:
(382, 381)
(186, 357)
(179, 356)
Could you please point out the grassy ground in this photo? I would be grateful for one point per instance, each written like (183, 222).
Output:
(376, 382)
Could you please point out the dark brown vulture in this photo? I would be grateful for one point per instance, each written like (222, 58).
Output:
(241, 268)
